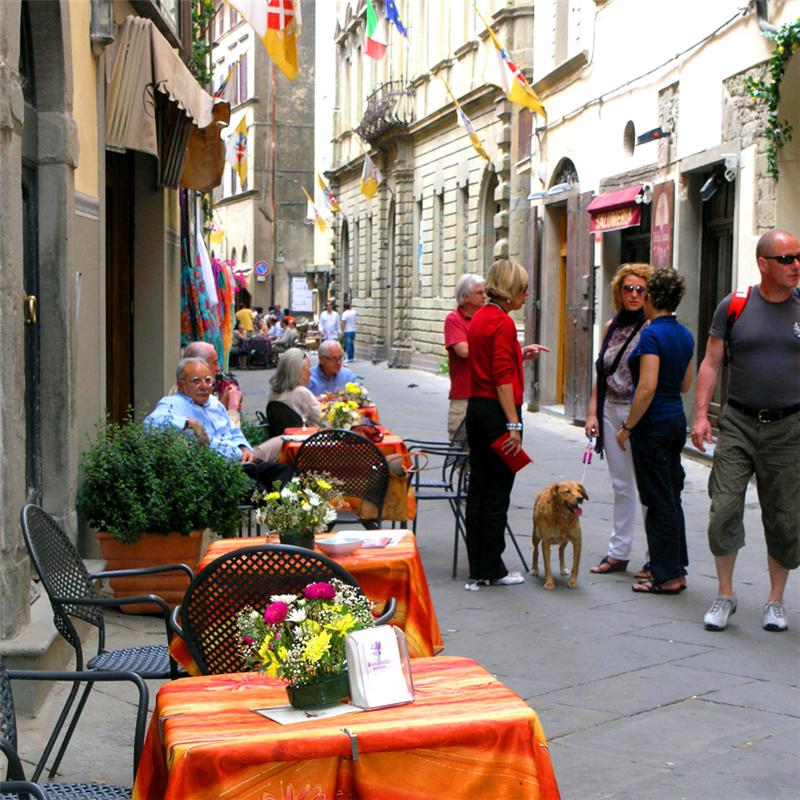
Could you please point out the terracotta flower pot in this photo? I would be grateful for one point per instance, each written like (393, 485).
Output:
(152, 550)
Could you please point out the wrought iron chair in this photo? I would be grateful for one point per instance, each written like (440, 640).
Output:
(72, 594)
(281, 416)
(206, 619)
(16, 784)
(356, 463)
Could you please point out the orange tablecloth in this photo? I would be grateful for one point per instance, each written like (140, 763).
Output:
(400, 504)
(466, 735)
(370, 412)
(381, 573)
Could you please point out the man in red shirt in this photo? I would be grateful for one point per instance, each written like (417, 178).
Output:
(470, 297)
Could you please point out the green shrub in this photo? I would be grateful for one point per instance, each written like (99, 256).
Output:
(252, 430)
(139, 480)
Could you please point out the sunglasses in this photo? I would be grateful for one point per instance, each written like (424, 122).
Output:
(630, 288)
(787, 259)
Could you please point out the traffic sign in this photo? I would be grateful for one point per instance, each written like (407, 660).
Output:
(262, 269)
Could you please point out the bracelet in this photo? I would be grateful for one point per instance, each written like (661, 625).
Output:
(513, 426)
(624, 427)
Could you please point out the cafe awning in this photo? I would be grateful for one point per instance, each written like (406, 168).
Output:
(615, 210)
(155, 105)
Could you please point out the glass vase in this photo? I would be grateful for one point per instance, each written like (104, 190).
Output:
(298, 538)
(326, 692)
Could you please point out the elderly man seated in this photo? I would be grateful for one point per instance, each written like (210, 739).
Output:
(329, 375)
(226, 387)
(194, 408)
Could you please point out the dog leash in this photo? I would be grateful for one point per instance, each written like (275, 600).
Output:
(587, 456)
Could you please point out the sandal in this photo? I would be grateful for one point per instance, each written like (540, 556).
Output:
(648, 587)
(605, 566)
(644, 573)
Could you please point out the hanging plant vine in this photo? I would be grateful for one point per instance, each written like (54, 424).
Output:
(777, 131)
(203, 13)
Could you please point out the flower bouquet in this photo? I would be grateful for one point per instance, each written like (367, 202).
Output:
(358, 394)
(303, 507)
(342, 414)
(300, 638)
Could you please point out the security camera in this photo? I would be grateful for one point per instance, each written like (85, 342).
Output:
(646, 194)
(710, 188)
(731, 166)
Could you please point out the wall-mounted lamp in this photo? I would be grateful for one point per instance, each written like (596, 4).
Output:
(710, 187)
(553, 190)
(101, 30)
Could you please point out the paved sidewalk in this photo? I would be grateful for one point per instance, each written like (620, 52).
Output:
(636, 698)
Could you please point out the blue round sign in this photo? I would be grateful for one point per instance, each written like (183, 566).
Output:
(262, 269)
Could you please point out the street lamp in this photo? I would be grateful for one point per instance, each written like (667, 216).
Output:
(101, 30)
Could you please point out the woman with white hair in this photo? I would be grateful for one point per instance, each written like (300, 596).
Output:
(470, 296)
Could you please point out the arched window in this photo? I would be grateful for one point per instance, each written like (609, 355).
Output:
(489, 208)
(244, 254)
(343, 273)
(233, 254)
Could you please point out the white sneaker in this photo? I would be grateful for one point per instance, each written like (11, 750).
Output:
(775, 616)
(512, 579)
(716, 618)
(472, 586)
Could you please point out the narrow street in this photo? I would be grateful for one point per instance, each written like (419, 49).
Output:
(636, 698)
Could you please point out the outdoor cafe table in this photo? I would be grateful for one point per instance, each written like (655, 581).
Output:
(466, 735)
(399, 504)
(381, 573)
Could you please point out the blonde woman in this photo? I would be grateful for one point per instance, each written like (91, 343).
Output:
(494, 407)
(610, 403)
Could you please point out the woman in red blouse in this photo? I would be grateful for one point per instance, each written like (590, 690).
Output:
(495, 361)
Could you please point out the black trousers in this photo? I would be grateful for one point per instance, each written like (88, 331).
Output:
(490, 484)
(659, 477)
(266, 472)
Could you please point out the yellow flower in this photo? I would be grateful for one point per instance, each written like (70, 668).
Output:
(273, 496)
(324, 485)
(317, 646)
(342, 624)
(352, 405)
(352, 388)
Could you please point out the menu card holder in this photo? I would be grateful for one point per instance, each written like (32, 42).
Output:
(378, 667)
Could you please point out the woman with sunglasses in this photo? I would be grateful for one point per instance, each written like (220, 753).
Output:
(661, 367)
(610, 405)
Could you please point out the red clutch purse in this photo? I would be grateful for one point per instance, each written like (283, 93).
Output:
(514, 462)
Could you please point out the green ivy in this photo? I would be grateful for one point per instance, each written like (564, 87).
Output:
(202, 14)
(778, 131)
(139, 480)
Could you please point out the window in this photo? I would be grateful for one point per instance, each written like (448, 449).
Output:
(357, 279)
(233, 17)
(368, 259)
(233, 254)
(437, 287)
(462, 230)
(244, 254)
(524, 129)
(418, 249)
(242, 79)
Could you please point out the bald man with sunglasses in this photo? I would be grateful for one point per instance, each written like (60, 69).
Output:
(759, 427)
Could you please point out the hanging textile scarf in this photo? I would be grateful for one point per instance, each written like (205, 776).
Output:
(224, 279)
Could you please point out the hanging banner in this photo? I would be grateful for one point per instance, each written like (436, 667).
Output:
(662, 224)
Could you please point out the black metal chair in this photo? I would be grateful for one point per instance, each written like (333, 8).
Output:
(72, 594)
(16, 784)
(206, 619)
(281, 416)
(358, 465)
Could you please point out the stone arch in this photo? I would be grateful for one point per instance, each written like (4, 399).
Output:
(564, 172)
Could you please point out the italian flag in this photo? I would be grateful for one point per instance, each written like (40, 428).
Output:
(375, 46)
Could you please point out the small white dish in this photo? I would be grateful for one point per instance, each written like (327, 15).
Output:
(339, 545)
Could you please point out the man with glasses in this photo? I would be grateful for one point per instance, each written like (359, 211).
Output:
(226, 387)
(470, 296)
(759, 427)
(329, 375)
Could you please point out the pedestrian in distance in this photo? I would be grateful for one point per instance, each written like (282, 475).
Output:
(661, 367)
(759, 427)
(610, 405)
(470, 296)
(329, 323)
(348, 323)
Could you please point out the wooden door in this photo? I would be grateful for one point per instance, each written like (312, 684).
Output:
(533, 225)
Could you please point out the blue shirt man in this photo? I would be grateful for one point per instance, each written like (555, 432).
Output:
(195, 408)
(329, 375)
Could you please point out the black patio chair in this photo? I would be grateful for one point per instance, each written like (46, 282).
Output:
(71, 590)
(356, 463)
(206, 619)
(281, 416)
(15, 783)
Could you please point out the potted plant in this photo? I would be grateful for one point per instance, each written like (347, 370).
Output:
(151, 493)
(301, 638)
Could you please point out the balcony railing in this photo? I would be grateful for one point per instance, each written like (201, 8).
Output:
(390, 106)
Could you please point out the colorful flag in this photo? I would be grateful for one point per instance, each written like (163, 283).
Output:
(278, 23)
(217, 235)
(394, 17)
(501, 71)
(322, 226)
(375, 45)
(226, 88)
(236, 150)
(466, 122)
(370, 178)
(330, 198)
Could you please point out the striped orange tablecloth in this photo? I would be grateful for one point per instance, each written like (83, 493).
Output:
(381, 573)
(466, 735)
(400, 504)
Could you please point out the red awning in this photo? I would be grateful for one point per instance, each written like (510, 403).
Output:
(615, 210)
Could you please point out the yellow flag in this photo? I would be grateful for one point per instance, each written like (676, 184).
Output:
(370, 178)
(278, 23)
(322, 226)
(236, 150)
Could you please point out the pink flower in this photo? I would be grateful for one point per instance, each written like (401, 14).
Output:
(247, 640)
(275, 613)
(319, 591)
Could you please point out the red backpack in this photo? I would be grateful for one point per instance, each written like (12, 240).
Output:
(735, 307)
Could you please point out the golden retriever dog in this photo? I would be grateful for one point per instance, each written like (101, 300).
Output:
(556, 514)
